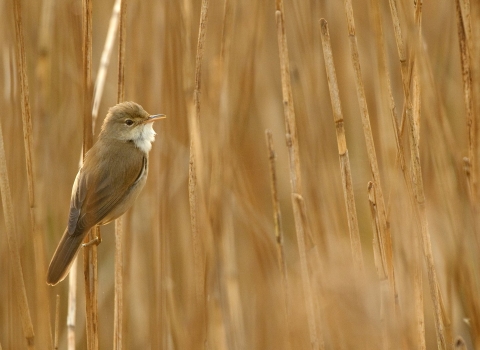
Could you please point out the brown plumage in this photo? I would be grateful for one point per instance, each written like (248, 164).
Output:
(113, 173)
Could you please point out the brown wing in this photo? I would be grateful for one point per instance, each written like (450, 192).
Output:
(103, 182)
(100, 185)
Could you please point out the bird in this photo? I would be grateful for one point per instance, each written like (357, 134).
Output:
(113, 173)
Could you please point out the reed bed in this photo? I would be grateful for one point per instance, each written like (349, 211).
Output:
(357, 234)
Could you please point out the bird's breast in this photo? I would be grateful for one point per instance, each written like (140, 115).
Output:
(130, 196)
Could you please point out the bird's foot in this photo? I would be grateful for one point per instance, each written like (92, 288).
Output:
(96, 241)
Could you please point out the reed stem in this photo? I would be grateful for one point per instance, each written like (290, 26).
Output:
(14, 253)
(342, 151)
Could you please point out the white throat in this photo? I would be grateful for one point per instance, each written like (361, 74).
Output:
(144, 138)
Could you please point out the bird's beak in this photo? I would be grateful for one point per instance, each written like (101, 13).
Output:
(154, 118)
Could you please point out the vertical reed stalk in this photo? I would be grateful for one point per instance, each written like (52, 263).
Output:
(87, 75)
(26, 116)
(417, 272)
(417, 182)
(379, 262)
(380, 268)
(118, 289)
(342, 151)
(300, 226)
(121, 51)
(385, 239)
(57, 322)
(277, 219)
(195, 169)
(105, 60)
(416, 263)
(402, 56)
(295, 173)
(42, 88)
(118, 299)
(43, 318)
(417, 269)
(16, 266)
(232, 306)
(195, 148)
(418, 295)
(72, 305)
(91, 290)
(288, 107)
(5, 187)
(90, 253)
(443, 340)
(464, 41)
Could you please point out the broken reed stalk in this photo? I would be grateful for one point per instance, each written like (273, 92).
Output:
(288, 107)
(399, 40)
(72, 305)
(385, 239)
(57, 322)
(277, 219)
(118, 298)
(16, 266)
(89, 253)
(443, 338)
(342, 150)
(295, 174)
(42, 304)
(105, 60)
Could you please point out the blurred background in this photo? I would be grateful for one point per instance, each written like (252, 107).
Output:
(245, 303)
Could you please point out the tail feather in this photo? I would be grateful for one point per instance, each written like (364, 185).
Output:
(63, 257)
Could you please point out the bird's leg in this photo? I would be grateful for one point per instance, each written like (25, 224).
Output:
(96, 241)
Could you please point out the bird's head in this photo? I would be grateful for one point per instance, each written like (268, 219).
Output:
(128, 121)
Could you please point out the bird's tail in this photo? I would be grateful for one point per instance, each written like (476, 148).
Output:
(63, 257)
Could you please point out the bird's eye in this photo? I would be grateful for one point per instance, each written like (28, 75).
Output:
(129, 122)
